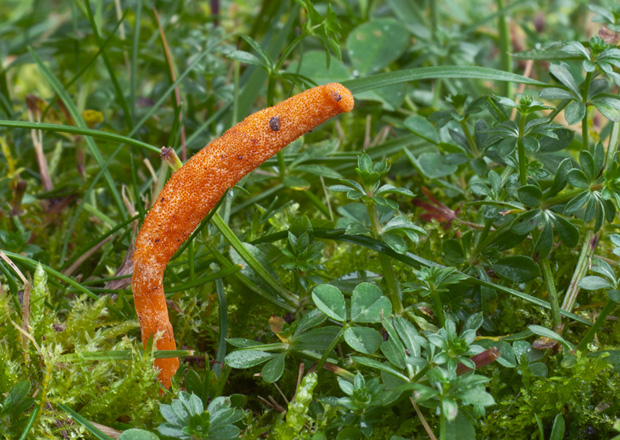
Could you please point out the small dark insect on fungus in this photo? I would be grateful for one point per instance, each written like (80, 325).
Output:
(274, 123)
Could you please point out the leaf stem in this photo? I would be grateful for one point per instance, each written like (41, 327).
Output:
(470, 139)
(607, 309)
(331, 346)
(442, 425)
(553, 294)
(587, 250)
(521, 153)
(438, 307)
(238, 246)
(612, 147)
(584, 122)
(504, 46)
(386, 264)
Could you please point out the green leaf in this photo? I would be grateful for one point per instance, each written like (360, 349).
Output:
(563, 73)
(273, 369)
(244, 57)
(578, 179)
(375, 44)
(545, 241)
(460, 428)
(556, 93)
(609, 107)
(517, 268)
(434, 165)
(247, 358)
(525, 222)
(530, 195)
(317, 339)
(137, 434)
(453, 253)
(372, 363)
(396, 242)
(330, 301)
(266, 61)
(557, 432)
(421, 127)
(476, 396)
(574, 112)
(594, 283)
(368, 304)
(449, 408)
(394, 352)
(391, 189)
(363, 339)
(531, 144)
(545, 332)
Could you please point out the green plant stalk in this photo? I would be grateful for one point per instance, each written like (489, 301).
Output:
(223, 318)
(221, 259)
(482, 237)
(470, 139)
(235, 108)
(442, 425)
(120, 96)
(332, 346)
(612, 147)
(271, 85)
(587, 250)
(386, 264)
(238, 246)
(607, 309)
(31, 420)
(290, 48)
(521, 153)
(584, 122)
(438, 307)
(420, 374)
(316, 201)
(504, 46)
(556, 111)
(553, 294)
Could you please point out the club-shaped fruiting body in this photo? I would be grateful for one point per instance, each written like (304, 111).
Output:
(195, 189)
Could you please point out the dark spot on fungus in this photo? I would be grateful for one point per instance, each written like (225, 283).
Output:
(240, 157)
(156, 240)
(162, 199)
(337, 96)
(274, 123)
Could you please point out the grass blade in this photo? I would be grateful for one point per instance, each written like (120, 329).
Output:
(83, 131)
(31, 419)
(120, 96)
(77, 117)
(373, 82)
(32, 264)
(85, 423)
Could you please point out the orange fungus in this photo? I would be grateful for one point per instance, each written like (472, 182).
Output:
(196, 187)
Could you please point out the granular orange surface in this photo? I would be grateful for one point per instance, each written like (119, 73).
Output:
(196, 188)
